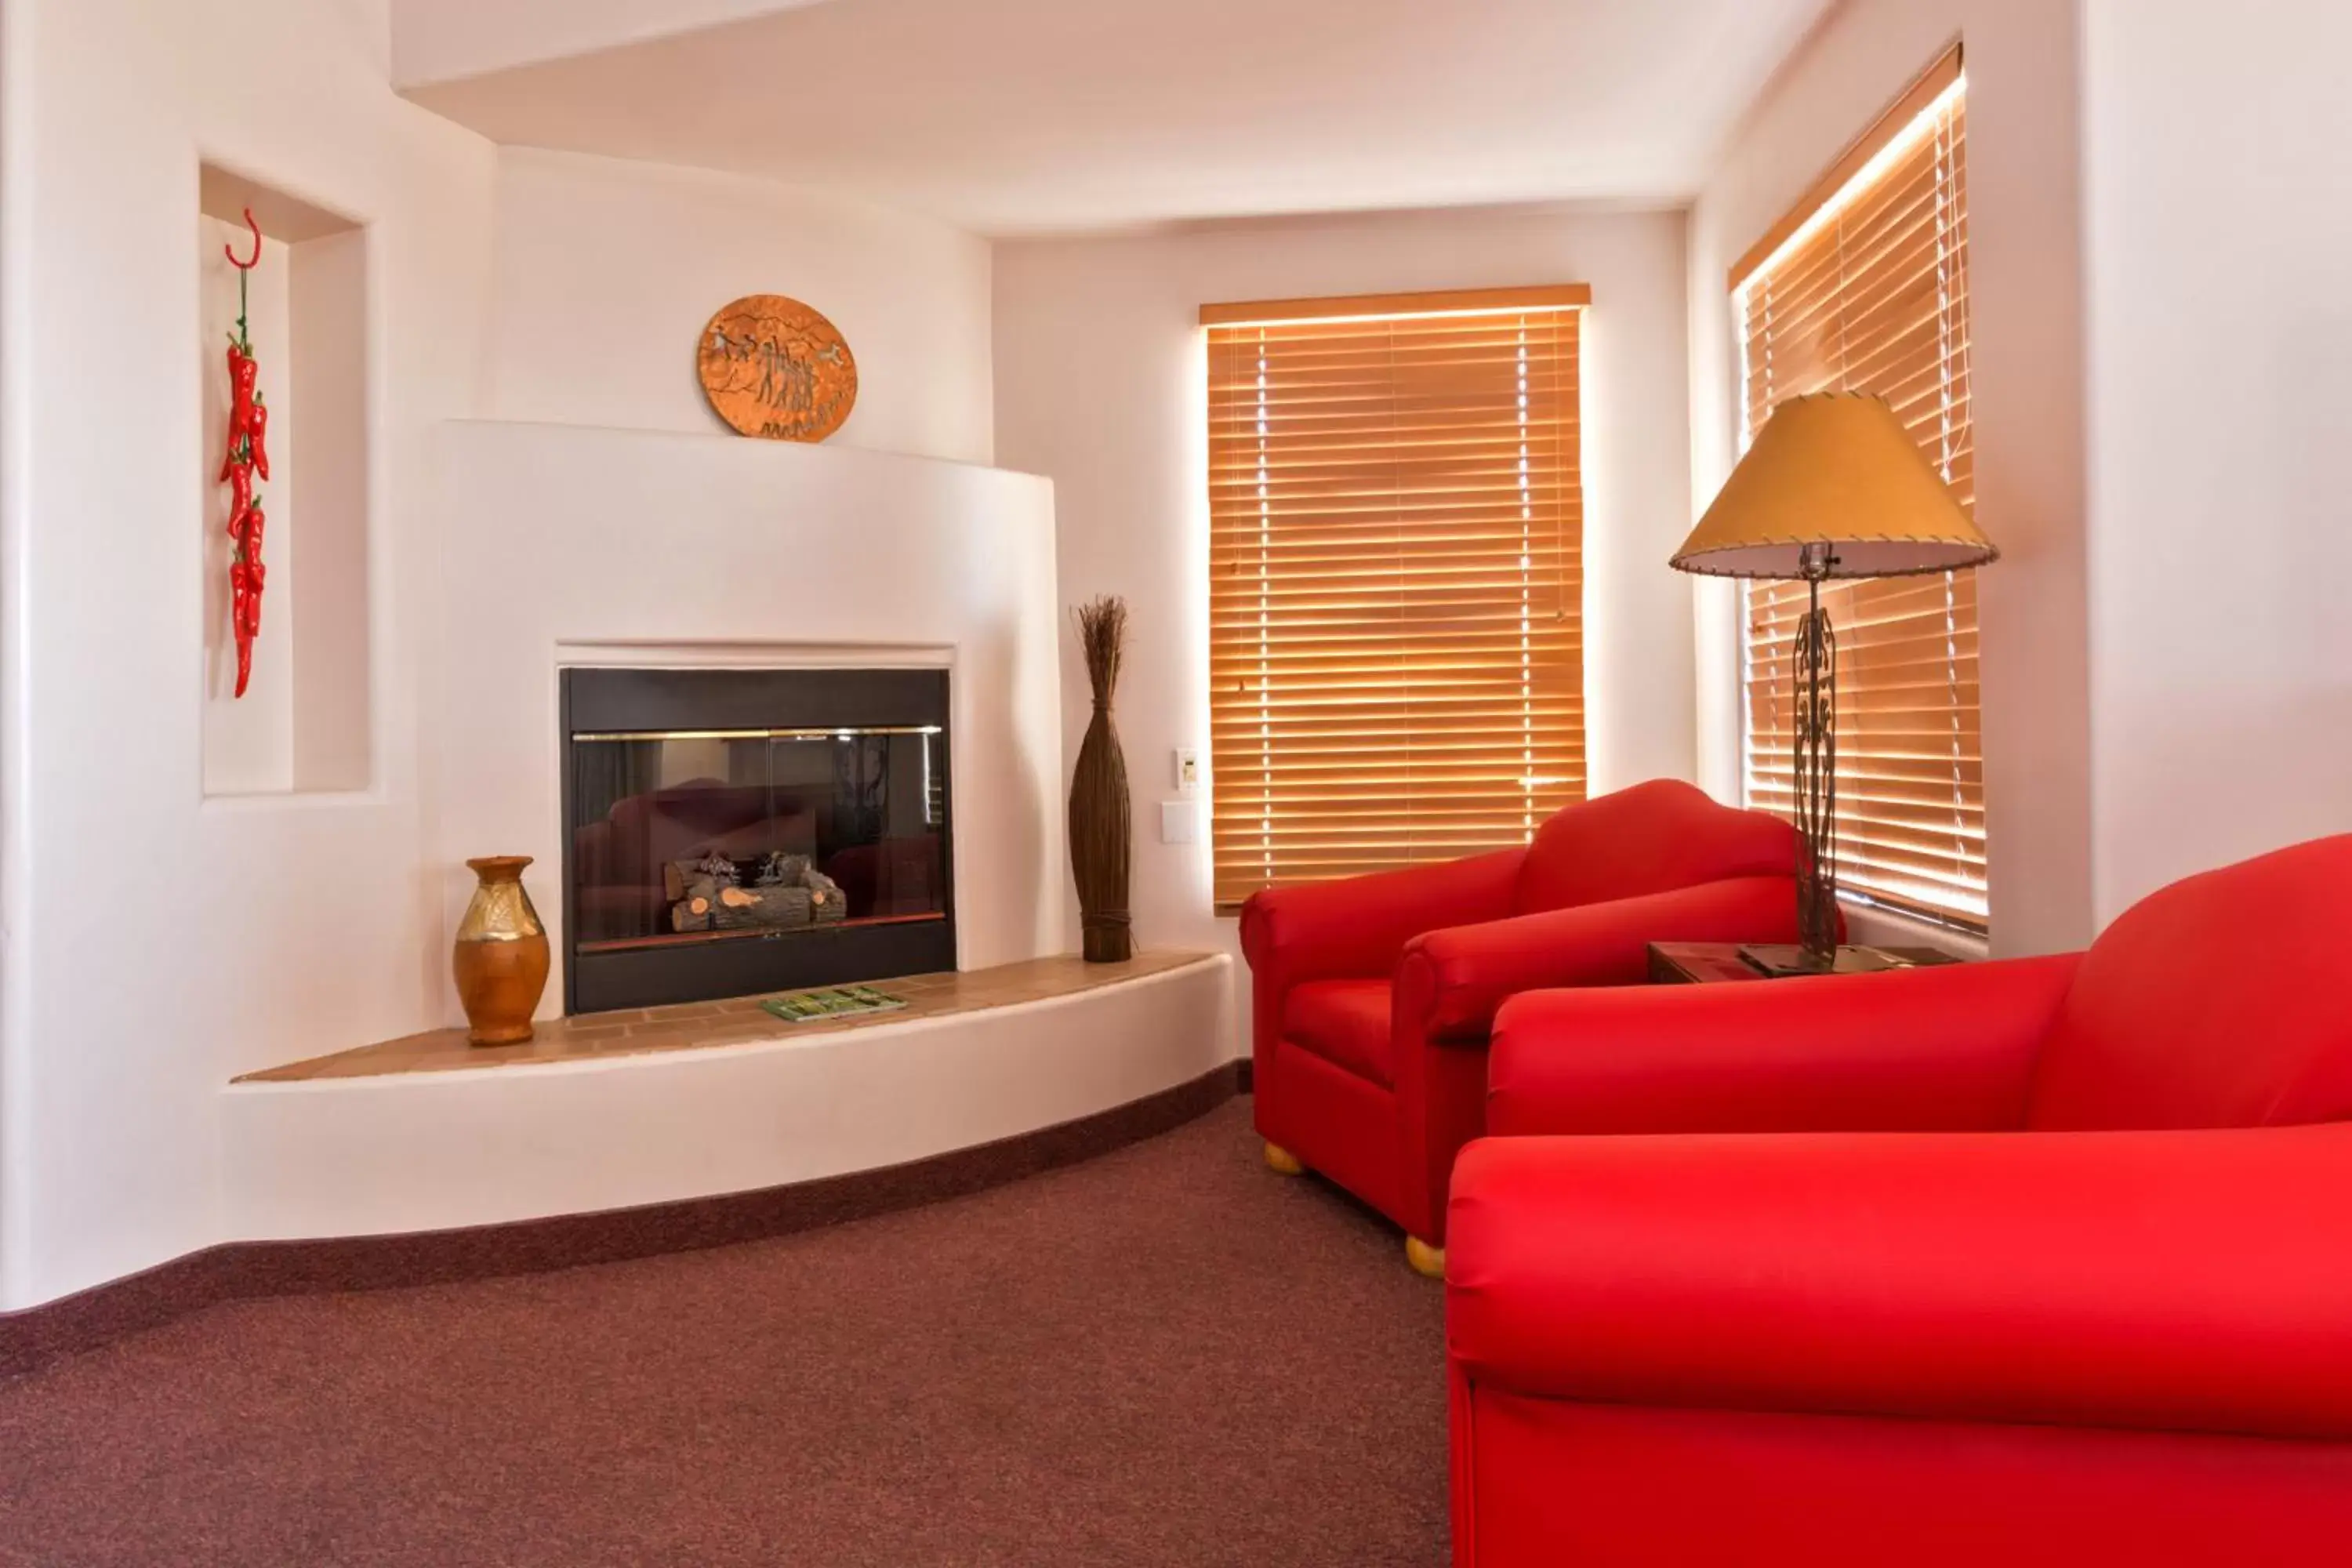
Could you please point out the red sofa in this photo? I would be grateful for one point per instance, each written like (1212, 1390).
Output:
(2022, 1262)
(1371, 997)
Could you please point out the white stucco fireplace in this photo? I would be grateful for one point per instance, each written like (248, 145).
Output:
(577, 548)
(571, 548)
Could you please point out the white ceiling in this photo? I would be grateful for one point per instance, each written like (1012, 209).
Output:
(1036, 116)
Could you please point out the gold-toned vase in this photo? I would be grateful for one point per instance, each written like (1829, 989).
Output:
(501, 956)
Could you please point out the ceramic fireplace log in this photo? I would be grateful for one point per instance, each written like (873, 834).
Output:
(735, 908)
(707, 908)
(710, 895)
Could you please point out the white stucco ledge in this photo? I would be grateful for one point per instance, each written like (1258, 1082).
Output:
(440, 1148)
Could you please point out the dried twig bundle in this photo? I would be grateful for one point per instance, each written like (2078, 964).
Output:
(1101, 829)
(1102, 636)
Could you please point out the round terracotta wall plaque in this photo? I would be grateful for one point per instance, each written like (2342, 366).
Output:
(772, 367)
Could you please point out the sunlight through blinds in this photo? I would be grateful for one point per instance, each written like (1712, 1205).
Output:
(1396, 657)
(1866, 290)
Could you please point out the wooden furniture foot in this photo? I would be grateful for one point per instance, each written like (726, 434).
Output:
(1426, 1261)
(1283, 1161)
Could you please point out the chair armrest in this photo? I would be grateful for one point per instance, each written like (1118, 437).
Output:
(1353, 929)
(2182, 1280)
(1942, 1049)
(1453, 980)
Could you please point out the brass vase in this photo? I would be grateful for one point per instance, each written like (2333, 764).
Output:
(501, 957)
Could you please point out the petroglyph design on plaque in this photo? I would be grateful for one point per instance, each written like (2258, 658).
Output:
(773, 367)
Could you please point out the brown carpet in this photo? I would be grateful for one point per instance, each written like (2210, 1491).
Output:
(1167, 1355)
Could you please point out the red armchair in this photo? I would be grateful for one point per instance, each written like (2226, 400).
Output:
(2031, 1262)
(1371, 998)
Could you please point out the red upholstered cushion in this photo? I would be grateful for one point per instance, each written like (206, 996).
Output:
(1345, 1022)
(2213, 1003)
(1647, 839)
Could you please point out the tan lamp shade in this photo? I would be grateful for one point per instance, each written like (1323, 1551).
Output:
(1833, 469)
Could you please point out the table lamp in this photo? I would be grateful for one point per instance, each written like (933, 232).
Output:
(1832, 487)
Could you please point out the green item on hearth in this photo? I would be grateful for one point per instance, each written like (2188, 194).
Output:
(832, 1001)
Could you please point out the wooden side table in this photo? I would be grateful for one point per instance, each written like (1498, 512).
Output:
(1708, 962)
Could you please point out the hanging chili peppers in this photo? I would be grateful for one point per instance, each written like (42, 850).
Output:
(248, 455)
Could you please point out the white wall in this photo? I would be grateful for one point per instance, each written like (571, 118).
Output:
(275, 926)
(2027, 361)
(258, 927)
(2220, 156)
(607, 271)
(1100, 380)
(651, 548)
(329, 624)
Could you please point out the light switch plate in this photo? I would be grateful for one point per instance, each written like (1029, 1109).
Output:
(1188, 770)
(1180, 822)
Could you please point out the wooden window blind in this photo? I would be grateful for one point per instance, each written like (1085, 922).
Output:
(1865, 288)
(1395, 588)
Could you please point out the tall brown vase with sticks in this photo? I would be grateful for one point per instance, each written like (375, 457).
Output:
(1101, 819)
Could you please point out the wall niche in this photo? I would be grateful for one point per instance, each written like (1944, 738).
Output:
(305, 722)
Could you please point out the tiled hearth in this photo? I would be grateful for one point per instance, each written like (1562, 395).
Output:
(693, 1025)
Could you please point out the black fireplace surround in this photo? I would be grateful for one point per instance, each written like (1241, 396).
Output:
(730, 832)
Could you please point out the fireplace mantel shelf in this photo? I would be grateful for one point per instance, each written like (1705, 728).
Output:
(701, 1024)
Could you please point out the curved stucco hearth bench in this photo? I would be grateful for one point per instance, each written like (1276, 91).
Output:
(617, 1112)
(621, 1135)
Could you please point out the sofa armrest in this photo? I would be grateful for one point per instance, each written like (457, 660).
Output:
(1942, 1049)
(1353, 929)
(1451, 982)
(2180, 1280)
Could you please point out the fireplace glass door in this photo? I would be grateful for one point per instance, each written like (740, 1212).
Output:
(790, 840)
(718, 835)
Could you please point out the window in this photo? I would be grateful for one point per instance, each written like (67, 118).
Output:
(1863, 288)
(1395, 653)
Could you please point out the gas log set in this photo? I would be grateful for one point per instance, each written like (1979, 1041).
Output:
(778, 891)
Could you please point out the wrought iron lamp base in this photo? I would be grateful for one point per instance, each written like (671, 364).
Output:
(1816, 768)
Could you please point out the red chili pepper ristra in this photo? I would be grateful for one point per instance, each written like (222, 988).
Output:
(245, 585)
(242, 370)
(249, 452)
(240, 495)
(256, 435)
(252, 539)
